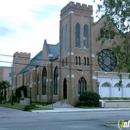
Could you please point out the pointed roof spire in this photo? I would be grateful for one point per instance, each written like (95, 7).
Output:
(45, 41)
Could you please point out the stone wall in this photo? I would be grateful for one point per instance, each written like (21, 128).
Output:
(117, 103)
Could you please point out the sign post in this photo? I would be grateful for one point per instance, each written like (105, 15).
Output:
(51, 87)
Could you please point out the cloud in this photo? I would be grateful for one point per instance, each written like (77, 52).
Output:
(45, 11)
(25, 26)
(6, 32)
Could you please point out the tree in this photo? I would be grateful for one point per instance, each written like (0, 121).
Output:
(118, 11)
(3, 86)
(117, 14)
(18, 91)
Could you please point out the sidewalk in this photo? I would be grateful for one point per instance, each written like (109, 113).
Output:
(64, 110)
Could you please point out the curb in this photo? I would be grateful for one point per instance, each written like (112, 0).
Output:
(64, 110)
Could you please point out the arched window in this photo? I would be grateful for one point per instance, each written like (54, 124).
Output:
(117, 85)
(86, 36)
(107, 34)
(85, 61)
(37, 83)
(67, 36)
(128, 85)
(55, 80)
(76, 60)
(63, 39)
(106, 84)
(77, 35)
(44, 77)
(79, 61)
(82, 85)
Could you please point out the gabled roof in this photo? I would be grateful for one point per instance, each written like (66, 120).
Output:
(97, 21)
(36, 60)
(53, 50)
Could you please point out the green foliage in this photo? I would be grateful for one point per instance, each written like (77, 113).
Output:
(43, 103)
(15, 99)
(117, 14)
(89, 99)
(15, 105)
(117, 23)
(115, 98)
(4, 84)
(89, 96)
(117, 10)
(29, 107)
(18, 91)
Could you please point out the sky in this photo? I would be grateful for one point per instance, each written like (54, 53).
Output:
(24, 24)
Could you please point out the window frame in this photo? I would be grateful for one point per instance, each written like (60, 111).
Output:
(77, 35)
(44, 85)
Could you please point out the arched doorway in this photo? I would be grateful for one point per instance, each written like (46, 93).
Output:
(65, 89)
(56, 80)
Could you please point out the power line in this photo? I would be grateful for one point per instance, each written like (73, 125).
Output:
(64, 67)
(6, 55)
(48, 7)
(44, 59)
(45, 13)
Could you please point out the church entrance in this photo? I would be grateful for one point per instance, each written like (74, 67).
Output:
(65, 89)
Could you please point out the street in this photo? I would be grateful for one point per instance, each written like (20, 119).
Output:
(11, 119)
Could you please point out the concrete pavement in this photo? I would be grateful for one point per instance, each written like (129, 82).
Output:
(62, 106)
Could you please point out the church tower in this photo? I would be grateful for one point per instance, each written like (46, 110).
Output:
(75, 50)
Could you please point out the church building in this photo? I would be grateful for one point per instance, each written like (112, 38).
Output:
(74, 65)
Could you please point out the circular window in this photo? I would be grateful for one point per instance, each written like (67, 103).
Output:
(107, 60)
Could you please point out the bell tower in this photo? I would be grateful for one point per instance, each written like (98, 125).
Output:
(75, 24)
(75, 44)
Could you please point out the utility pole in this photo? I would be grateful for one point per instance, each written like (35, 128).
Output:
(12, 83)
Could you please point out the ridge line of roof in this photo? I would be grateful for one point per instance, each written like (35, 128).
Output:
(22, 71)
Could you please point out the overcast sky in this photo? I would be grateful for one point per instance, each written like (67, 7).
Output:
(24, 24)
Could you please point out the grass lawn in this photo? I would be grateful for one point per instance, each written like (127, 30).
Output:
(21, 107)
(114, 98)
(42, 108)
(15, 106)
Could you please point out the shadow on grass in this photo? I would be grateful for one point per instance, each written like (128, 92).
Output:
(87, 107)
(22, 107)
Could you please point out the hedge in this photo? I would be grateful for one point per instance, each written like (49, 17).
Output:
(89, 99)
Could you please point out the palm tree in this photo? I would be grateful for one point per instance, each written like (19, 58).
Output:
(3, 86)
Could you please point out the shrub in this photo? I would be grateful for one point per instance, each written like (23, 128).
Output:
(42, 103)
(78, 104)
(29, 107)
(115, 98)
(89, 99)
